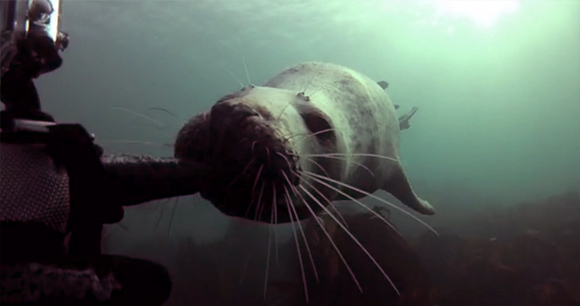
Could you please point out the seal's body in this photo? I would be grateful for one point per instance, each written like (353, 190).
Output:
(276, 144)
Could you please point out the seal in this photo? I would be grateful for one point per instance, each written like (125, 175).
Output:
(313, 134)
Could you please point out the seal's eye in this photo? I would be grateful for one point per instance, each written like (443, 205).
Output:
(318, 123)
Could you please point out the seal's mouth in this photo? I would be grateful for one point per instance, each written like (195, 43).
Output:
(256, 166)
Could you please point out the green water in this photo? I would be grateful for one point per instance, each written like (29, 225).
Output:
(498, 97)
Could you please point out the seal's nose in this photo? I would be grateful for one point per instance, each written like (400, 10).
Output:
(226, 113)
(228, 125)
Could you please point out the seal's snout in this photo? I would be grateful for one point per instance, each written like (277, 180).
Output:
(228, 124)
(257, 168)
(226, 113)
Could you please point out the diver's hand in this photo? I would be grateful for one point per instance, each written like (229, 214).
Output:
(68, 143)
(72, 146)
(62, 40)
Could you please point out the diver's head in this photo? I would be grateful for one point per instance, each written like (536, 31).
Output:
(40, 11)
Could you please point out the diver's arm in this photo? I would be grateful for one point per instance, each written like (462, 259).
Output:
(139, 179)
(45, 45)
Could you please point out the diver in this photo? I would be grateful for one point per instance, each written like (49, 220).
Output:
(55, 194)
(26, 58)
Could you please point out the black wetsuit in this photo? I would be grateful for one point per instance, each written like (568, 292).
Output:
(36, 55)
(94, 200)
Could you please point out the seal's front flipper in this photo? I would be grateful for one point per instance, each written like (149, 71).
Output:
(398, 185)
(383, 84)
(410, 114)
(404, 120)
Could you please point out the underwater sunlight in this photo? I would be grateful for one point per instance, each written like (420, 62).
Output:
(482, 13)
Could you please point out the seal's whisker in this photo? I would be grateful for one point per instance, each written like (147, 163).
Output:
(275, 210)
(300, 94)
(133, 142)
(355, 154)
(233, 75)
(257, 178)
(354, 240)
(352, 161)
(269, 247)
(171, 218)
(314, 134)
(254, 146)
(326, 199)
(155, 126)
(288, 204)
(313, 175)
(318, 165)
(259, 205)
(302, 231)
(267, 262)
(283, 110)
(263, 204)
(239, 175)
(161, 109)
(308, 84)
(290, 136)
(253, 193)
(162, 208)
(246, 69)
(327, 233)
(352, 199)
(138, 114)
(329, 202)
(314, 162)
(195, 200)
(315, 92)
(285, 158)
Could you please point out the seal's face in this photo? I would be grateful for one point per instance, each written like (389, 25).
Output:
(248, 143)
